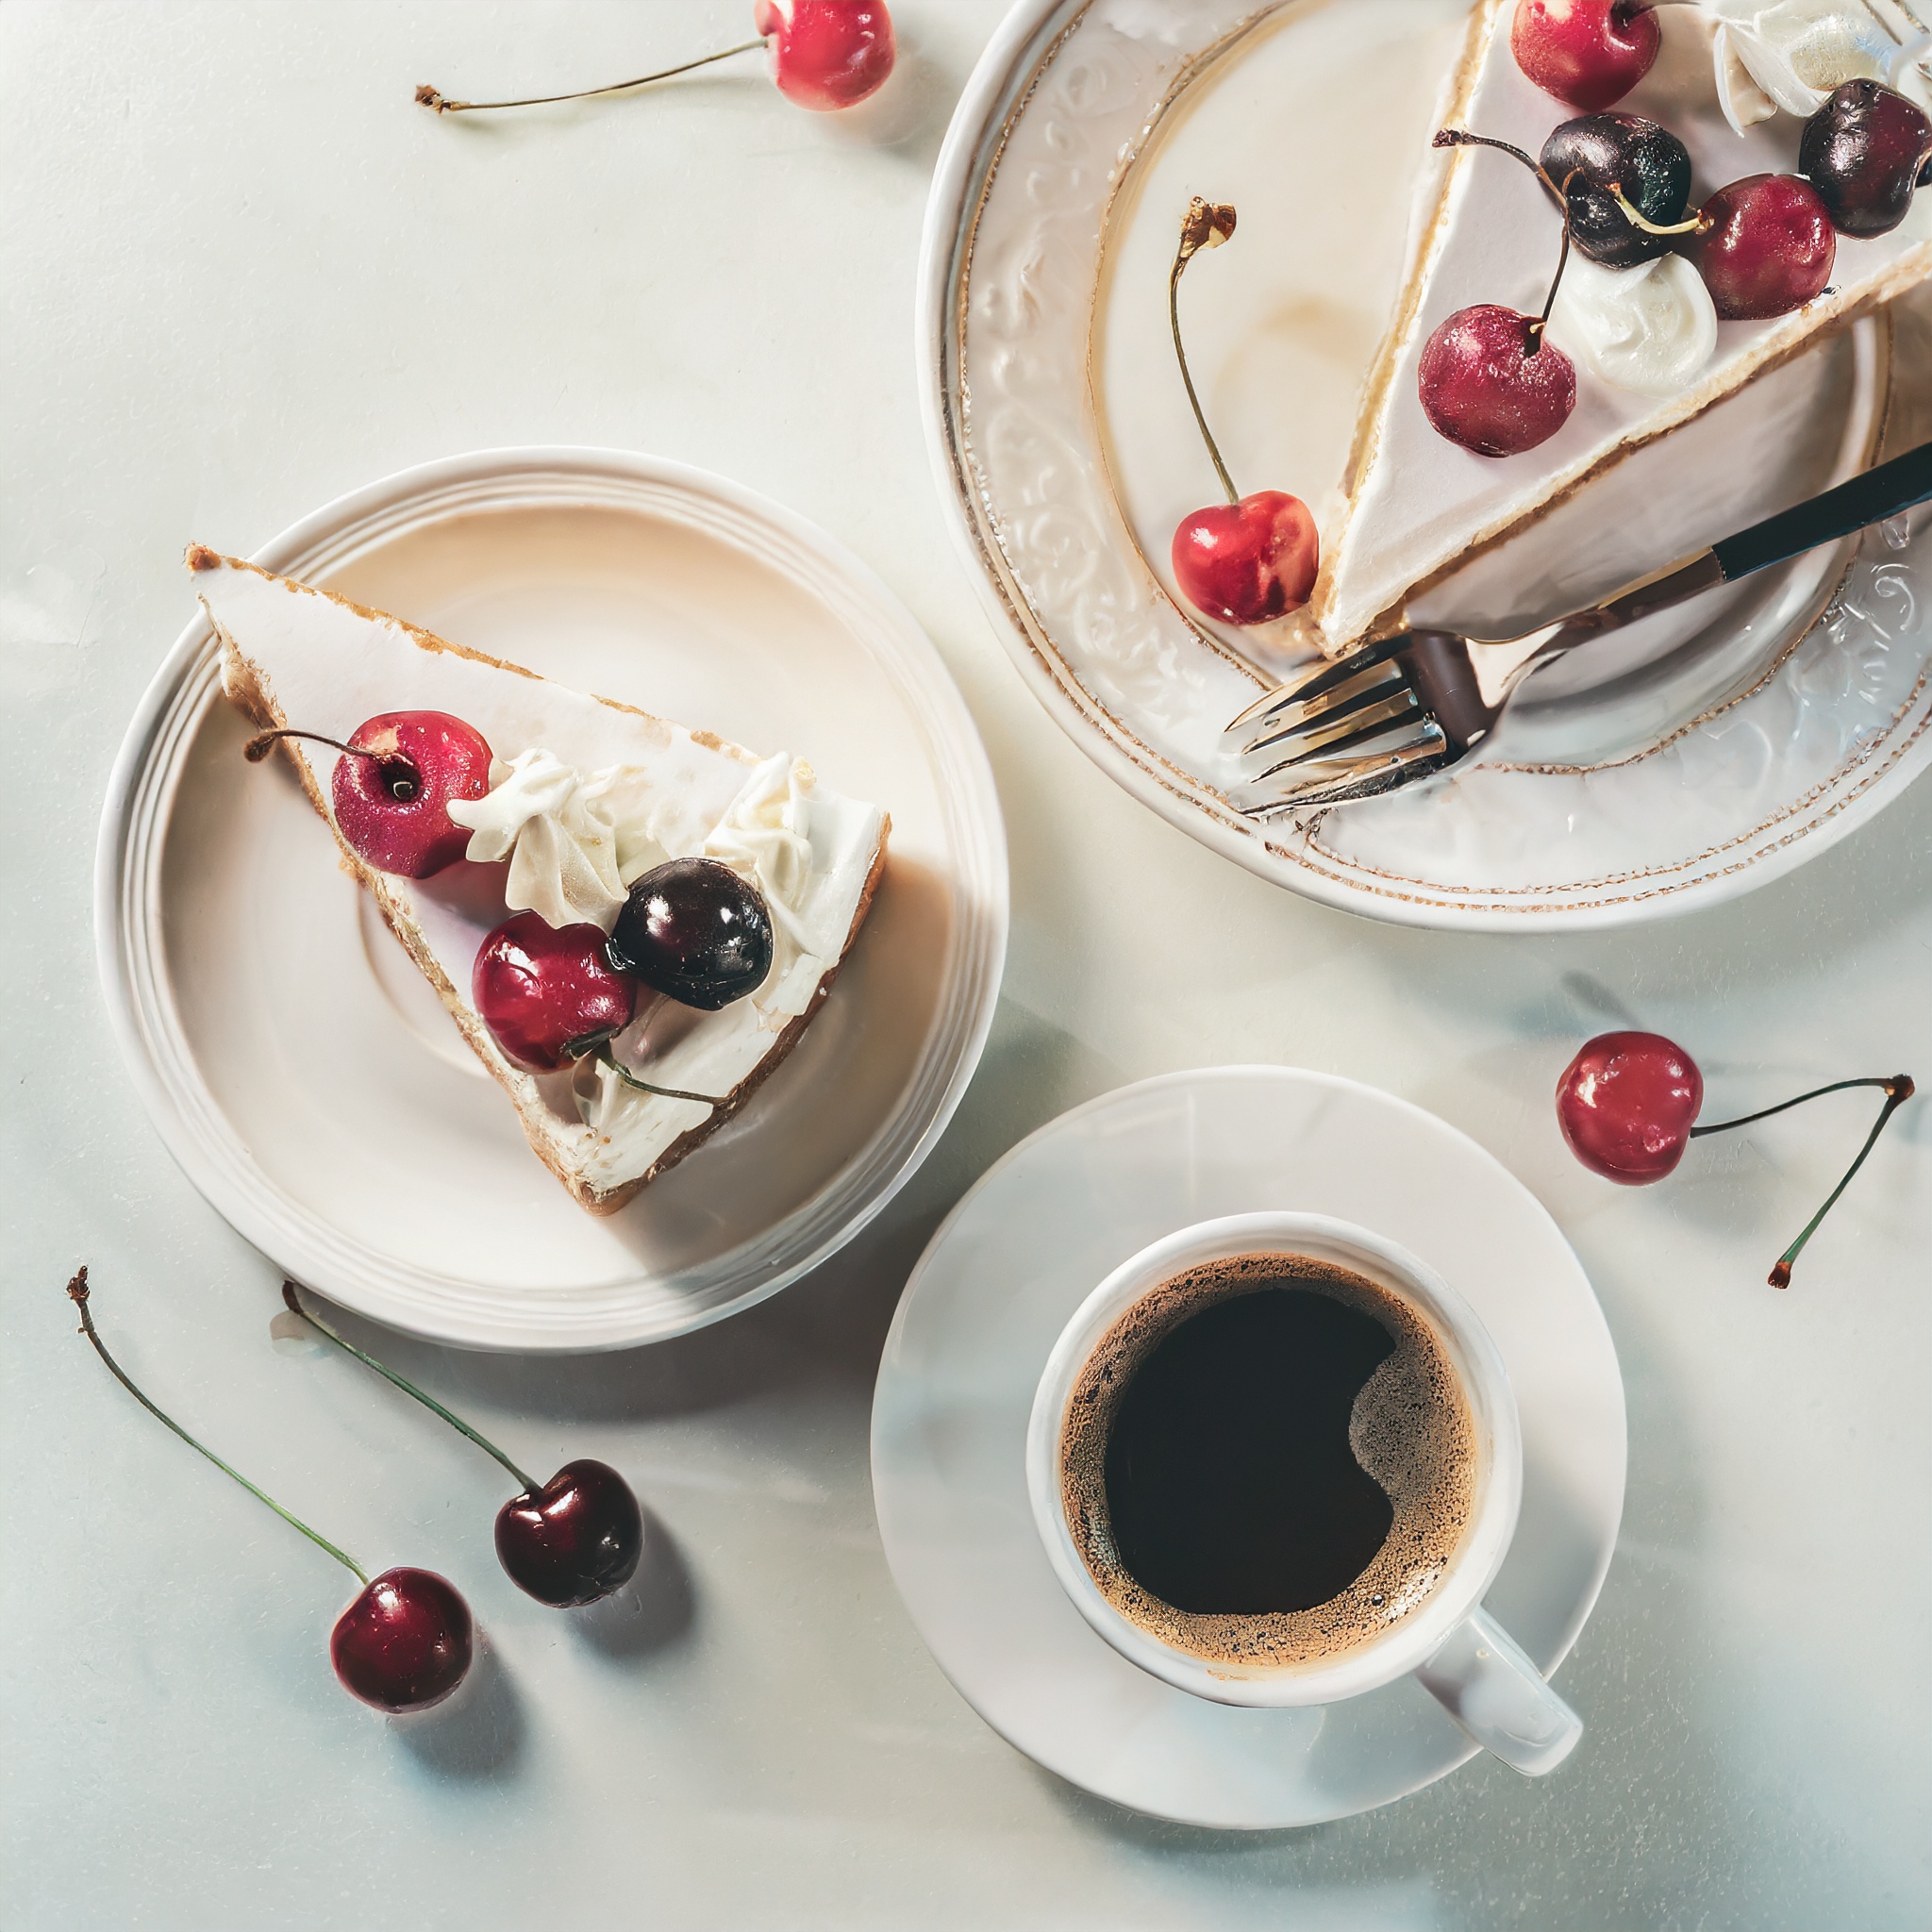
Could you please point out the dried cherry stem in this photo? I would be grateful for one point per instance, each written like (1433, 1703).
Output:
(1538, 328)
(1699, 224)
(1898, 1089)
(403, 786)
(1458, 137)
(529, 1486)
(77, 1290)
(428, 97)
(1205, 225)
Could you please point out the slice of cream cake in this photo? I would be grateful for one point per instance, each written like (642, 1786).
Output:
(572, 777)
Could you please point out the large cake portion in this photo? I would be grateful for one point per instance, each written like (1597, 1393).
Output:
(1415, 505)
(571, 775)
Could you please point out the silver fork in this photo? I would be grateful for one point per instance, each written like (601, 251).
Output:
(1417, 704)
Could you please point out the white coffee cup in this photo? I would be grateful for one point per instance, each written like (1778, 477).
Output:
(1451, 1644)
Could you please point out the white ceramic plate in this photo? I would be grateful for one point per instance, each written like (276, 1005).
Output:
(990, 1298)
(303, 1073)
(1703, 755)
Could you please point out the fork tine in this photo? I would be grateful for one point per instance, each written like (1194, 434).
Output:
(1315, 681)
(1359, 728)
(1353, 779)
(1366, 688)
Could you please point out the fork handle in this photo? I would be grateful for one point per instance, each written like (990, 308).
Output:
(1873, 498)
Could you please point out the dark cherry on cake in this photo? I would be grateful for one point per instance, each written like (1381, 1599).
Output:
(1628, 1105)
(1866, 151)
(404, 1641)
(1588, 53)
(397, 774)
(825, 55)
(1251, 559)
(693, 930)
(1607, 158)
(566, 1542)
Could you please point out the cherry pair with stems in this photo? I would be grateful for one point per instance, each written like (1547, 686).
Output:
(406, 1641)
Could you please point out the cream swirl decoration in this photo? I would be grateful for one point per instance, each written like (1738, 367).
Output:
(1792, 54)
(1649, 328)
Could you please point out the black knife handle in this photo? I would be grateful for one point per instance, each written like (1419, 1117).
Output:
(1879, 493)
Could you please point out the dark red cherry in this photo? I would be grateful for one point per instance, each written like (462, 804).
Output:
(828, 54)
(576, 1538)
(390, 807)
(405, 1643)
(1589, 53)
(1490, 380)
(541, 989)
(1865, 151)
(1766, 247)
(1626, 1105)
(693, 930)
(1251, 562)
(1645, 162)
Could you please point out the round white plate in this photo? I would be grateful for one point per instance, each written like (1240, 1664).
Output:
(1703, 753)
(303, 1073)
(990, 1298)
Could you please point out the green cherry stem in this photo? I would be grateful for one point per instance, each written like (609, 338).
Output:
(1699, 224)
(427, 97)
(605, 1054)
(1898, 1089)
(1204, 225)
(529, 1485)
(77, 1290)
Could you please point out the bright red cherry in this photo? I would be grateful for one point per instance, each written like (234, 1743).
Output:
(828, 54)
(1251, 562)
(391, 785)
(1765, 247)
(1490, 380)
(405, 1643)
(1626, 1105)
(1589, 53)
(576, 1538)
(542, 987)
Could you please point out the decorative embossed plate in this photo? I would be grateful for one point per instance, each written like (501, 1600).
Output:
(1682, 763)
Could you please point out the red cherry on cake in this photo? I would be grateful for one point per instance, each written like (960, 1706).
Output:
(1626, 1105)
(405, 1643)
(828, 54)
(1249, 562)
(1490, 381)
(1589, 53)
(574, 1541)
(543, 990)
(1764, 246)
(391, 785)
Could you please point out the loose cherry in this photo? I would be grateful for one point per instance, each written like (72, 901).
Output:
(1865, 151)
(544, 990)
(1639, 159)
(568, 1541)
(404, 1642)
(825, 55)
(391, 785)
(1589, 53)
(1628, 1105)
(1252, 559)
(1490, 378)
(697, 932)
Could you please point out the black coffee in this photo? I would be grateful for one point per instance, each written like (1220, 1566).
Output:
(1268, 1459)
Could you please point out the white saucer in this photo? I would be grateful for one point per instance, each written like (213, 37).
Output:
(982, 1312)
(309, 1084)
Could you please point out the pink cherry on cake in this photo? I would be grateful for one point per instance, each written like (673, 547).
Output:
(1764, 246)
(826, 54)
(1250, 562)
(1490, 380)
(1589, 53)
(544, 988)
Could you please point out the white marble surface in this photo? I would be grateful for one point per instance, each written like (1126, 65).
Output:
(240, 273)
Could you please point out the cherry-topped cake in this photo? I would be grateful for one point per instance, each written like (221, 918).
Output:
(630, 921)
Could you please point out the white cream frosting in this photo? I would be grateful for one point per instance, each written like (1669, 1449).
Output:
(1792, 54)
(1649, 328)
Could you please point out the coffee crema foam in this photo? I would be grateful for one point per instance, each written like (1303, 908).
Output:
(1410, 1429)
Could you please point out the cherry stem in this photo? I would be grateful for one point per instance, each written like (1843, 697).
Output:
(1898, 1089)
(428, 97)
(402, 788)
(77, 1290)
(1457, 137)
(1699, 224)
(429, 1402)
(1540, 327)
(601, 1050)
(1205, 225)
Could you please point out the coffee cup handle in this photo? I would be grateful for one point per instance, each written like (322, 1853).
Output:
(1486, 1683)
